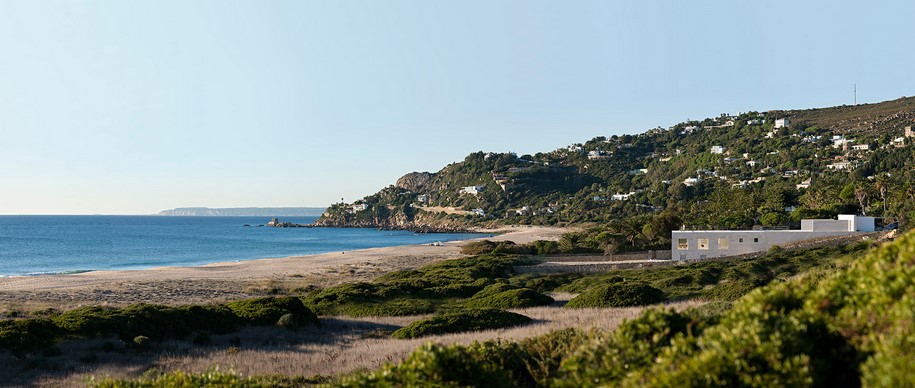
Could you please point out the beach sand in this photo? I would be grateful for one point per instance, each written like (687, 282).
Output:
(219, 282)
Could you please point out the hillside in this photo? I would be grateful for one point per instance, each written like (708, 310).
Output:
(733, 171)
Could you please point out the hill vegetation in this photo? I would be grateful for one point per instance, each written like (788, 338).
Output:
(733, 171)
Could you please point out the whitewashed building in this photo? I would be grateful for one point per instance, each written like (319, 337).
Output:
(701, 244)
(782, 123)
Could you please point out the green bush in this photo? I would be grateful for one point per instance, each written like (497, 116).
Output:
(141, 342)
(23, 336)
(432, 365)
(504, 296)
(462, 321)
(267, 311)
(623, 294)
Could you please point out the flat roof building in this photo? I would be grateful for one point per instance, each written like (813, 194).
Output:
(701, 244)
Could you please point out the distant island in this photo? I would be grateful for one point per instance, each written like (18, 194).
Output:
(245, 212)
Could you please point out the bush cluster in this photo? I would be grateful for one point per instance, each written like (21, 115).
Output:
(461, 321)
(151, 322)
(618, 294)
(421, 291)
(506, 296)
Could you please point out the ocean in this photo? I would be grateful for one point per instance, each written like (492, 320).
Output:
(33, 245)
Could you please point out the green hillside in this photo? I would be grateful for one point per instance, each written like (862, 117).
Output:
(725, 172)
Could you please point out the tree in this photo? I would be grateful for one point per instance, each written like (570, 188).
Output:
(882, 187)
(861, 195)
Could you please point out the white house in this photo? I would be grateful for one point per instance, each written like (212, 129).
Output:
(472, 189)
(861, 147)
(691, 181)
(701, 244)
(621, 197)
(422, 198)
(781, 123)
(717, 149)
(358, 207)
(596, 154)
(803, 185)
(754, 122)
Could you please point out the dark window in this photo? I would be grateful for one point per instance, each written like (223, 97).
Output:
(755, 239)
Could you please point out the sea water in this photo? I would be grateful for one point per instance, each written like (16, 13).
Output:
(31, 245)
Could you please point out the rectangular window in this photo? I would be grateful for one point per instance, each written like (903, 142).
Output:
(740, 239)
(723, 244)
(682, 244)
(703, 244)
(755, 239)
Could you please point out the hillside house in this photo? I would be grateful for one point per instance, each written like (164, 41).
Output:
(621, 197)
(596, 154)
(472, 190)
(754, 122)
(701, 244)
(691, 181)
(717, 149)
(909, 132)
(782, 123)
(358, 207)
(422, 198)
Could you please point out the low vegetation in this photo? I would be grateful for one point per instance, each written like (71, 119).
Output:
(141, 323)
(618, 294)
(461, 321)
(847, 325)
(437, 287)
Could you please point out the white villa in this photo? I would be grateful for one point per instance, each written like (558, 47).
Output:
(472, 189)
(701, 244)
(781, 123)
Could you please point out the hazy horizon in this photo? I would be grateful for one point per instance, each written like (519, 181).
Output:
(136, 107)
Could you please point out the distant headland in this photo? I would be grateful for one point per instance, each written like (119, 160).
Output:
(245, 212)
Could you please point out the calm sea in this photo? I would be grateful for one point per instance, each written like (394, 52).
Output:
(60, 244)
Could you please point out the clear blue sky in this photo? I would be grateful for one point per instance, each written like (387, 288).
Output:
(131, 107)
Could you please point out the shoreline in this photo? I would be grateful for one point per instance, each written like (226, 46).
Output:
(222, 281)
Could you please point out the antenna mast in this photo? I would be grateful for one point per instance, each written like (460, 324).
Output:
(856, 94)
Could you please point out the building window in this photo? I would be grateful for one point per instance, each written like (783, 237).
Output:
(723, 244)
(682, 244)
(755, 239)
(740, 239)
(703, 243)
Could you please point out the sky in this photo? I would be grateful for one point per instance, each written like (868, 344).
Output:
(132, 107)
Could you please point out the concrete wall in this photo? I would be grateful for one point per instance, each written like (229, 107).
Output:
(826, 225)
(738, 241)
(860, 224)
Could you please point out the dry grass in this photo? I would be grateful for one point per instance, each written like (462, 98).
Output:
(341, 345)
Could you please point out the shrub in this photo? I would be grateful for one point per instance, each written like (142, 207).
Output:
(477, 365)
(267, 311)
(23, 336)
(481, 247)
(462, 321)
(510, 298)
(624, 294)
(141, 342)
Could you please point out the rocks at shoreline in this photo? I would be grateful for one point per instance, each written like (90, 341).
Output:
(277, 224)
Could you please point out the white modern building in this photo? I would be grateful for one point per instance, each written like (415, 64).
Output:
(701, 244)
(472, 189)
(781, 123)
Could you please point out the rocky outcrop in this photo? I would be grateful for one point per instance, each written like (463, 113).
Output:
(420, 222)
(415, 181)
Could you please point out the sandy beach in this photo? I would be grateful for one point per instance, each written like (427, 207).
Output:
(220, 282)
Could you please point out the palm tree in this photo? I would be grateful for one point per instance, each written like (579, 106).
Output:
(882, 187)
(861, 195)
